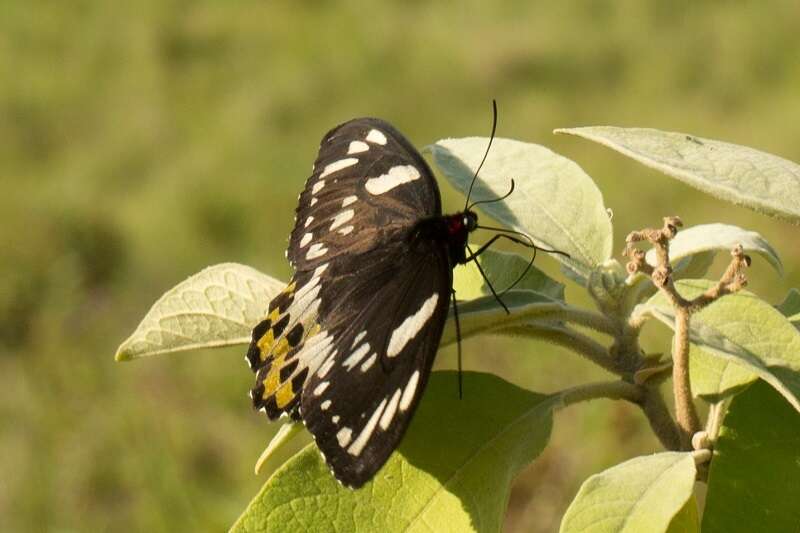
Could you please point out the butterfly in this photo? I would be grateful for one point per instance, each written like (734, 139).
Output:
(348, 345)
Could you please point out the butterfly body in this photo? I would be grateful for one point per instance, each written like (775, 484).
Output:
(450, 230)
(348, 346)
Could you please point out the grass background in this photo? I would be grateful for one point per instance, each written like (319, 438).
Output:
(141, 142)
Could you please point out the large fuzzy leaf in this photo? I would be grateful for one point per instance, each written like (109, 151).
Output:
(790, 307)
(753, 482)
(555, 202)
(216, 307)
(738, 174)
(643, 494)
(452, 472)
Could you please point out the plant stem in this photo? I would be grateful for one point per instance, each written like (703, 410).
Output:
(660, 420)
(589, 319)
(731, 281)
(646, 397)
(569, 338)
(612, 390)
(715, 415)
(685, 412)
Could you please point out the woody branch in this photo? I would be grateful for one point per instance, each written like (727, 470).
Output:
(661, 274)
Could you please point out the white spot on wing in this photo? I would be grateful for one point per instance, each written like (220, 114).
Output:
(309, 220)
(316, 250)
(325, 405)
(408, 393)
(376, 136)
(356, 356)
(321, 388)
(313, 201)
(345, 230)
(341, 218)
(320, 269)
(396, 176)
(343, 436)
(338, 165)
(411, 326)
(335, 419)
(369, 362)
(317, 186)
(349, 200)
(356, 147)
(306, 239)
(388, 415)
(359, 337)
(326, 367)
(366, 433)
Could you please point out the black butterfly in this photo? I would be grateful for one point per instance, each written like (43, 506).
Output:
(348, 346)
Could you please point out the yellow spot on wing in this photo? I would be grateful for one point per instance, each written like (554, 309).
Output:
(265, 343)
(284, 395)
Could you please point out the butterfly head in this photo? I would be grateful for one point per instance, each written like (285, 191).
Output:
(461, 224)
(470, 220)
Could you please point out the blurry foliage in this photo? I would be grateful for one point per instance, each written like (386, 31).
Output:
(142, 141)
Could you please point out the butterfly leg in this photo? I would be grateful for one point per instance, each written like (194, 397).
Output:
(458, 344)
(484, 247)
(473, 255)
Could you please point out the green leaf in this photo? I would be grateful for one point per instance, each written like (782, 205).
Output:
(285, 435)
(643, 494)
(503, 269)
(714, 238)
(714, 378)
(737, 174)
(694, 266)
(216, 307)
(555, 202)
(753, 482)
(452, 471)
(790, 307)
(738, 329)
(687, 519)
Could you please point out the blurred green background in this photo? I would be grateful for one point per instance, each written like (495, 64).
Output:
(141, 142)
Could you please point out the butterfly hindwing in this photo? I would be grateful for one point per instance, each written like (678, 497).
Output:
(279, 339)
(361, 398)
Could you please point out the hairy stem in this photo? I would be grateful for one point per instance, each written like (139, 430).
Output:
(569, 338)
(589, 319)
(612, 390)
(660, 420)
(685, 412)
(731, 281)
(648, 398)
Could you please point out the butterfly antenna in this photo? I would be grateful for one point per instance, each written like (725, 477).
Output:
(506, 195)
(491, 138)
(529, 244)
(524, 272)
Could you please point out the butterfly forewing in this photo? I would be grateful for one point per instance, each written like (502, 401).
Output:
(367, 180)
